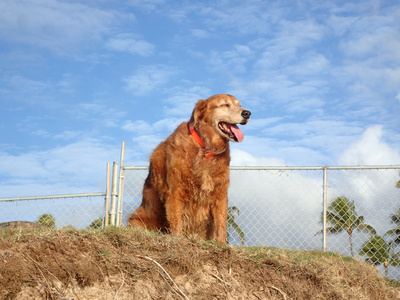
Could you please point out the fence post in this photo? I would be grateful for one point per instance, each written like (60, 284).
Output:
(325, 203)
(113, 193)
(120, 186)
(107, 198)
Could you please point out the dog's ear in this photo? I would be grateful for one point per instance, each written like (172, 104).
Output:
(198, 112)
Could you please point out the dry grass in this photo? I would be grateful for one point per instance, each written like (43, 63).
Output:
(136, 264)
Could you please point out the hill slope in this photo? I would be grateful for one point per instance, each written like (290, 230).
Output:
(135, 264)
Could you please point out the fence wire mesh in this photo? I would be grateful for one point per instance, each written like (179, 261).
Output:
(78, 211)
(284, 208)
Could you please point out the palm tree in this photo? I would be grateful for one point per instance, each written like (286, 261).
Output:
(47, 220)
(231, 223)
(380, 252)
(342, 216)
(395, 219)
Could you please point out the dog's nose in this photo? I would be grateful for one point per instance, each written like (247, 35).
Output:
(246, 114)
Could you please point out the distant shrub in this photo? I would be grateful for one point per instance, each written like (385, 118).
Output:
(47, 220)
(96, 224)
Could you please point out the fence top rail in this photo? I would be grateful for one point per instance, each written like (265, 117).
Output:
(134, 168)
(366, 167)
(54, 197)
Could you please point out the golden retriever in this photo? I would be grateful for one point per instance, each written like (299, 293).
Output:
(186, 190)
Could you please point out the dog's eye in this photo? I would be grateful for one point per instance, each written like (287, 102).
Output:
(225, 105)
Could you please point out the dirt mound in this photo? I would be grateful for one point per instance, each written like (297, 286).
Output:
(135, 264)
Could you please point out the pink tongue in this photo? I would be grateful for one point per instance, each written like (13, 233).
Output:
(237, 132)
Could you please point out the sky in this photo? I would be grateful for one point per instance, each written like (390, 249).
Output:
(321, 78)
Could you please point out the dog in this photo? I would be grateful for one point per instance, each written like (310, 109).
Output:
(186, 190)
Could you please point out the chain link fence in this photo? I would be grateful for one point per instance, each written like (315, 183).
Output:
(78, 210)
(354, 211)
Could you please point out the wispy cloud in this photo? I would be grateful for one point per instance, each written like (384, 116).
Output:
(55, 25)
(97, 112)
(181, 103)
(71, 168)
(148, 79)
(127, 43)
(232, 61)
(148, 5)
(26, 90)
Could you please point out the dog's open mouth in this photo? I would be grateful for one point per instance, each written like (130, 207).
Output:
(232, 131)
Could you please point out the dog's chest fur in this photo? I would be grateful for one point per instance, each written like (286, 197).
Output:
(208, 178)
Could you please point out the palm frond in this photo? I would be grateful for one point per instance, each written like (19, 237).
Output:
(341, 206)
(334, 230)
(395, 262)
(393, 231)
(366, 228)
(233, 209)
(396, 256)
(395, 218)
(376, 249)
(335, 220)
(235, 226)
(398, 184)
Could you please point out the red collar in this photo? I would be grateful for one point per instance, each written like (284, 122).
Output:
(199, 140)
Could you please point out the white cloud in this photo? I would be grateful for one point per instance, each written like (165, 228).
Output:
(69, 135)
(97, 112)
(41, 133)
(199, 33)
(27, 90)
(369, 45)
(126, 43)
(181, 103)
(241, 19)
(138, 126)
(310, 142)
(141, 127)
(370, 150)
(263, 123)
(79, 167)
(56, 25)
(310, 64)
(242, 158)
(234, 60)
(146, 4)
(148, 78)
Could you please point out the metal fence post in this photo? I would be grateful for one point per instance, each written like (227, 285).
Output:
(107, 198)
(113, 193)
(325, 204)
(120, 186)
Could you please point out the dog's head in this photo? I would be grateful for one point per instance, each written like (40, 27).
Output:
(222, 113)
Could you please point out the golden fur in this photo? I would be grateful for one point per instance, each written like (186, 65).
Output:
(186, 192)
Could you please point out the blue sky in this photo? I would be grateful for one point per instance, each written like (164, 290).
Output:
(321, 78)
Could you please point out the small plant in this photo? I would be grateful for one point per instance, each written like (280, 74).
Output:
(104, 253)
(96, 224)
(232, 224)
(47, 220)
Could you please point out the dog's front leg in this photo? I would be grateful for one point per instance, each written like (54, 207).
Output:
(219, 214)
(173, 209)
